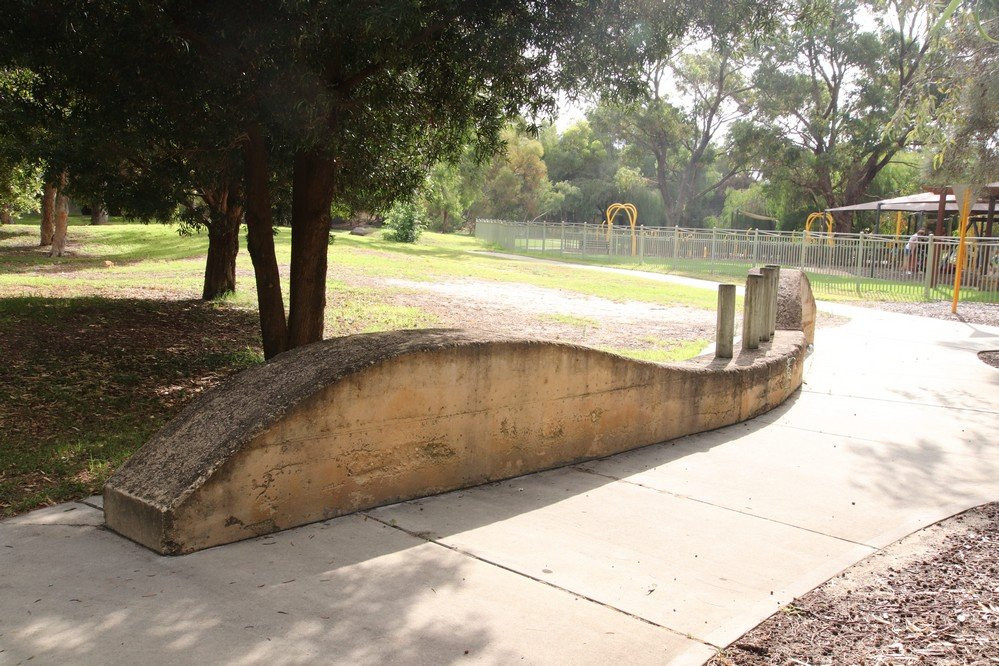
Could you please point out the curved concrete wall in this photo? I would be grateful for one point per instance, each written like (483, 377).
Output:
(357, 422)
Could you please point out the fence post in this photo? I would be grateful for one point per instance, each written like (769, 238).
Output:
(641, 243)
(561, 239)
(860, 261)
(582, 246)
(750, 312)
(804, 247)
(756, 246)
(725, 326)
(929, 268)
(714, 237)
(676, 241)
(544, 236)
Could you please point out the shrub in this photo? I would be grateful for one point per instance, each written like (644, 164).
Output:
(405, 222)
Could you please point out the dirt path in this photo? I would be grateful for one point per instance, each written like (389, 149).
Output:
(521, 309)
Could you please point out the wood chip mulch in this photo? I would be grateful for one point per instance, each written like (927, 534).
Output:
(985, 314)
(932, 598)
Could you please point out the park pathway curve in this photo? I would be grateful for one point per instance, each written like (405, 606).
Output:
(660, 555)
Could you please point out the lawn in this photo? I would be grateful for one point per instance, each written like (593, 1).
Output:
(828, 287)
(100, 348)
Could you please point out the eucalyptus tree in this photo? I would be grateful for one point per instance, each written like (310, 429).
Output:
(691, 99)
(516, 184)
(963, 128)
(582, 164)
(838, 100)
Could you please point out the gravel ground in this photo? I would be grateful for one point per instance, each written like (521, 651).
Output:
(554, 314)
(986, 314)
(990, 357)
(931, 598)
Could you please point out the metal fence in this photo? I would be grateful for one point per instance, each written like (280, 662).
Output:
(867, 266)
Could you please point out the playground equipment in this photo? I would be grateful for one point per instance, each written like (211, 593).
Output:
(830, 223)
(632, 213)
(962, 194)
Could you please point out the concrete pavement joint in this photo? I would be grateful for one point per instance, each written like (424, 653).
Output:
(852, 438)
(902, 402)
(726, 508)
(423, 537)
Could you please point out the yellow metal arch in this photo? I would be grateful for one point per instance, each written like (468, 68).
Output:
(827, 217)
(632, 213)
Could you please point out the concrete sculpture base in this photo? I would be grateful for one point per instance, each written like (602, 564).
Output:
(357, 422)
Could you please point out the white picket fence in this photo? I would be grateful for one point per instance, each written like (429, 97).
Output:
(862, 265)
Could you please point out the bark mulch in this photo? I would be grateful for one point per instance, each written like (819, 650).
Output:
(990, 357)
(986, 314)
(932, 598)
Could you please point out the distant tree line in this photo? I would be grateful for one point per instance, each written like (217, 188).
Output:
(844, 102)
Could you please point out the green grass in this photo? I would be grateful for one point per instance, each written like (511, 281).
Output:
(828, 287)
(662, 351)
(450, 256)
(436, 257)
(101, 347)
(571, 320)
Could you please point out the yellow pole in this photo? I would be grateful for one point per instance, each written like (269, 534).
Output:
(898, 225)
(965, 208)
(633, 218)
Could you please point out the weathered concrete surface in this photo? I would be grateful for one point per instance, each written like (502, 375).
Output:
(606, 561)
(349, 591)
(367, 420)
(796, 304)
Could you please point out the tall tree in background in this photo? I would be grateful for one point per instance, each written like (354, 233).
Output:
(451, 189)
(516, 185)
(963, 129)
(691, 99)
(581, 164)
(837, 102)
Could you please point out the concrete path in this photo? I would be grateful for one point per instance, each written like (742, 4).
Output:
(661, 555)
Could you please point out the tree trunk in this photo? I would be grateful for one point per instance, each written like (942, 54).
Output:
(260, 243)
(5, 215)
(98, 214)
(48, 213)
(662, 183)
(312, 195)
(61, 219)
(223, 246)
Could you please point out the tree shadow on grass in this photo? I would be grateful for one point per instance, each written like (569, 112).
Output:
(86, 381)
(20, 252)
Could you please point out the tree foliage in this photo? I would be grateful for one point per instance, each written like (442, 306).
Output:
(836, 103)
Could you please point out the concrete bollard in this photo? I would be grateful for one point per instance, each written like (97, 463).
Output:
(760, 309)
(725, 328)
(767, 304)
(774, 290)
(751, 312)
